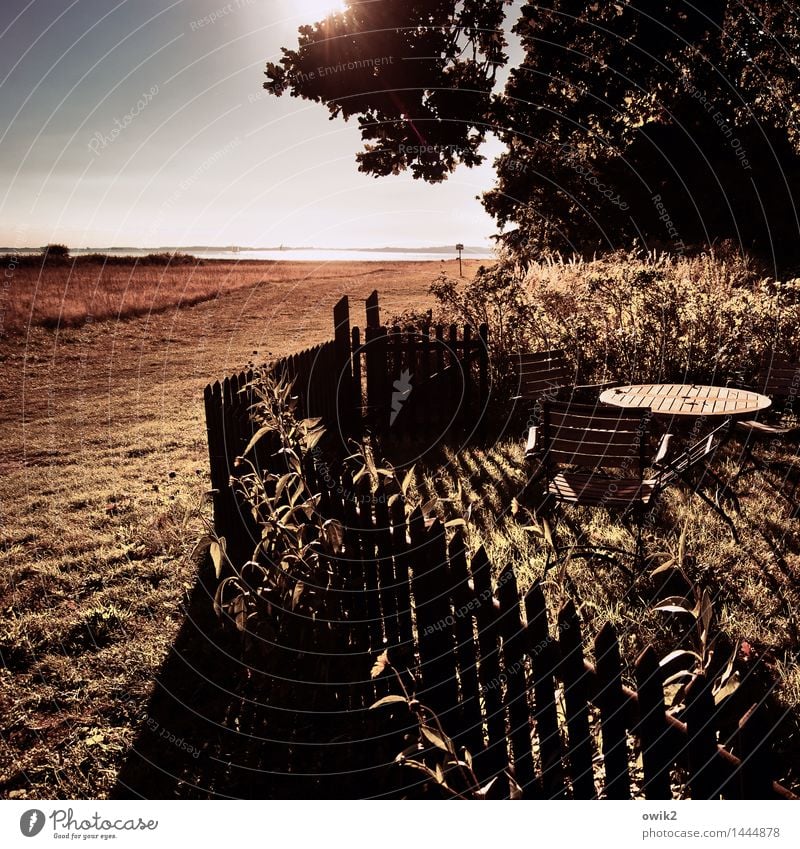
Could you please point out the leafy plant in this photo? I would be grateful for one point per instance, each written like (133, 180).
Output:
(632, 317)
(433, 753)
(288, 570)
(698, 606)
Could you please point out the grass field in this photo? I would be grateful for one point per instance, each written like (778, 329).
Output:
(103, 462)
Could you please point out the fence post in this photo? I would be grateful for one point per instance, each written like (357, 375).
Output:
(754, 776)
(483, 391)
(345, 407)
(373, 310)
(704, 778)
(611, 702)
(378, 381)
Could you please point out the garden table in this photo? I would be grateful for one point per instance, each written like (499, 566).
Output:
(688, 400)
(684, 403)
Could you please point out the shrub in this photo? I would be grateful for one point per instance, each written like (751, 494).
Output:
(54, 255)
(632, 318)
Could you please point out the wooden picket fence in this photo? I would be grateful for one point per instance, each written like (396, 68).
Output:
(418, 382)
(509, 681)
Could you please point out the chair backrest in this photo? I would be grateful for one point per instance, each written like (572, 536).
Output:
(780, 379)
(596, 436)
(540, 375)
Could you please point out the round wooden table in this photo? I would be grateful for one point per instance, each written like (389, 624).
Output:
(688, 399)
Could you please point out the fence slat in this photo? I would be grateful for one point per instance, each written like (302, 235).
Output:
(701, 745)
(612, 706)
(544, 653)
(493, 759)
(464, 603)
(652, 727)
(754, 774)
(576, 698)
(512, 631)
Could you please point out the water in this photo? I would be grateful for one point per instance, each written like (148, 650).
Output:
(299, 255)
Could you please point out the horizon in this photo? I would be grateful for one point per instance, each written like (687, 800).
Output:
(411, 248)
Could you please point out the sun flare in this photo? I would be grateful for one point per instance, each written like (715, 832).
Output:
(318, 9)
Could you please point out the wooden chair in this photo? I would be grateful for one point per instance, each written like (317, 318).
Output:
(595, 456)
(600, 456)
(546, 375)
(780, 424)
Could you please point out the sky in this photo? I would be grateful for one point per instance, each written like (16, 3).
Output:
(144, 123)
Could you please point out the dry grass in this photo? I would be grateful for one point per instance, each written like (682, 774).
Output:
(103, 461)
(81, 293)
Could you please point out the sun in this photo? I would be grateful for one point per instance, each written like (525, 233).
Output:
(318, 9)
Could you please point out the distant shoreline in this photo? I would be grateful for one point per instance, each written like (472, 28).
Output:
(316, 255)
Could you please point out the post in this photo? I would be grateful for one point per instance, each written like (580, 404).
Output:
(459, 248)
(345, 396)
(373, 311)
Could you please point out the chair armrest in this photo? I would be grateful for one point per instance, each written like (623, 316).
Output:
(605, 384)
(663, 449)
(532, 448)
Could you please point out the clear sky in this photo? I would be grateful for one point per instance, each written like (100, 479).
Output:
(143, 123)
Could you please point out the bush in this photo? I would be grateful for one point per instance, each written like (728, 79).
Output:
(634, 319)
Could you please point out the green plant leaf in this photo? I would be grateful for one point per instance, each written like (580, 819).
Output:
(257, 436)
(217, 552)
(407, 481)
(389, 700)
(727, 689)
(380, 664)
(435, 739)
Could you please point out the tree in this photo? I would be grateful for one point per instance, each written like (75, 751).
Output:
(666, 124)
(418, 74)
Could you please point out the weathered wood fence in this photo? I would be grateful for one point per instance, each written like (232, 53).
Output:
(508, 680)
(401, 383)
(419, 381)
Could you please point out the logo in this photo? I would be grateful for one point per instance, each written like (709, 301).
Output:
(402, 389)
(31, 822)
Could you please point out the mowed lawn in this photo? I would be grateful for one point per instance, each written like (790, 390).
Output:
(103, 463)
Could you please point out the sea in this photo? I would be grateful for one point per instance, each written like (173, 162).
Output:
(294, 254)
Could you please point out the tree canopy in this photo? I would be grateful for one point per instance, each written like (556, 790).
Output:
(669, 124)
